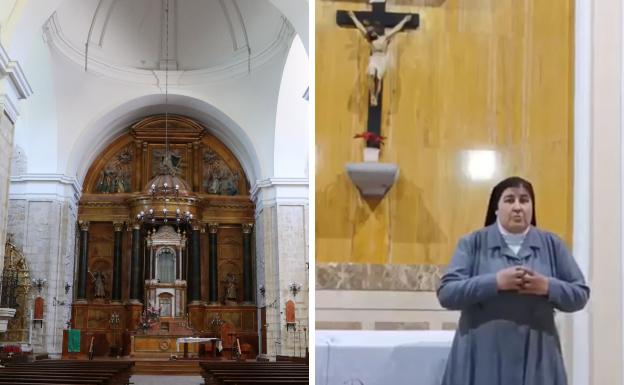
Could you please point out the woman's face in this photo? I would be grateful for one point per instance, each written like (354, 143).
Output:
(515, 209)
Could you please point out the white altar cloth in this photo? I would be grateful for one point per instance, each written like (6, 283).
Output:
(367, 357)
(195, 340)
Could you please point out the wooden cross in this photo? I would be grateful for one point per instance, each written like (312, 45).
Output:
(379, 17)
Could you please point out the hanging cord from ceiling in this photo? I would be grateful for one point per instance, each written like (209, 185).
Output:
(167, 83)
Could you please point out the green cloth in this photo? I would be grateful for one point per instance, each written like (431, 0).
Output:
(73, 340)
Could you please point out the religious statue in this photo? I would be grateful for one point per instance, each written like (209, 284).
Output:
(99, 290)
(218, 177)
(378, 40)
(230, 288)
(229, 185)
(105, 183)
(167, 163)
(214, 187)
(116, 175)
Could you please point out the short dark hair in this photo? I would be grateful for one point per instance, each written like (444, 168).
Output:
(497, 191)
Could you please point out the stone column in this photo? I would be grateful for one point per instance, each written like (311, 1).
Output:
(6, 149)
(52, 248)
(13, 87)
(247, 264)
(118, 237)
(213, 295)
(194, 281)
(81, 293)
(135, 265)
(281, 253)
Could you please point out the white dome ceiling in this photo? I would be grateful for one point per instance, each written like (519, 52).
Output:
(203, 34)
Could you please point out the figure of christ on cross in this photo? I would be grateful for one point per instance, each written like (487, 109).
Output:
(373, 25)
(379, 40)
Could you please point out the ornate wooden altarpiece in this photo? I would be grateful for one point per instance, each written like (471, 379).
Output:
(16, 283)
(115, 191)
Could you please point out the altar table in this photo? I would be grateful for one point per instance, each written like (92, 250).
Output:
(367, 357)
(198, 340)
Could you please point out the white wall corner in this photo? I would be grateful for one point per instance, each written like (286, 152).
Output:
(45, 187)
(13, 70)
(13, 84)
(8, 104)
(274, 191)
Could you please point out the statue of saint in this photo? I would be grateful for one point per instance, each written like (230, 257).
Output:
(231, 292)
(99, 290)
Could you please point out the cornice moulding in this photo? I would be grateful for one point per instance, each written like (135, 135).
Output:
(14, 71)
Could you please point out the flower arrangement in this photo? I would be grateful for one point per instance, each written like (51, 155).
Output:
(150, 316)
(370, 137)
(11, 349)
(373, 145)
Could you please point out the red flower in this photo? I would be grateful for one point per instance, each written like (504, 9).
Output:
(370, 137)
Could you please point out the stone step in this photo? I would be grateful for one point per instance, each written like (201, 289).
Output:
(167, 367)
(160, 363)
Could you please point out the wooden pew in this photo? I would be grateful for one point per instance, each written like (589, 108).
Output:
(254, 373)
(54, 379)
(110, 377)
(42, 382)
(68, 372)
(93, 376)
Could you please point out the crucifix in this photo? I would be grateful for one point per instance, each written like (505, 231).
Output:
(373, 24)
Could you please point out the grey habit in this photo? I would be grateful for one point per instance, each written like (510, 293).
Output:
(506, 338)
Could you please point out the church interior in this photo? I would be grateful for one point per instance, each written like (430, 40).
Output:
(154, 179)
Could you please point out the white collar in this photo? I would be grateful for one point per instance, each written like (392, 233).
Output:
(511, 237)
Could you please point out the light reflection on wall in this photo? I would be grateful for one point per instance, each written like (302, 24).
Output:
(480, 165)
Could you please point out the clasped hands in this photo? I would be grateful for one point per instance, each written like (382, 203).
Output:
(523, 280)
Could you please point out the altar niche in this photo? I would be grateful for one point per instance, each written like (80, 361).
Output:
(165, 287)
(172, 274)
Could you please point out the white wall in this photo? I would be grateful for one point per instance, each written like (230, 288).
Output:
(36, 129)
(24, 25)
(7, 9)
(291, 122)
(297, 13)
(605, 270)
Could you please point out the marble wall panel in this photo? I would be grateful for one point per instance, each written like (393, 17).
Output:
(365, 276)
